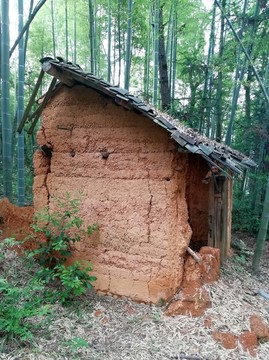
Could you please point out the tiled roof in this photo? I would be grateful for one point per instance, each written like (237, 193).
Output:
(215, 153)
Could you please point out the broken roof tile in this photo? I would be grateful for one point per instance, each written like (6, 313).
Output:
(105, 83)
(135, 99)
(118, 90)
(176, 136)
(145, 107)
(165, 122)
(207, 149)
(192, 148)
(190, 139)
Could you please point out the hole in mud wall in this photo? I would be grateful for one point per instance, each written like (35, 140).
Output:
(197, 194)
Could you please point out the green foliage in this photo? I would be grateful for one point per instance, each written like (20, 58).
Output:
(62, 228)
(75, 280)
(243, 218)
(242, 252)
(77, 343)
(18, 305)
(22, 306)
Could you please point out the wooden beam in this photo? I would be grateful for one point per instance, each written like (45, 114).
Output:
(43, 104)
(58, 73)
(31, 101)
(196, 256)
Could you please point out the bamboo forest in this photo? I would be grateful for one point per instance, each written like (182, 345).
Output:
(205, 64)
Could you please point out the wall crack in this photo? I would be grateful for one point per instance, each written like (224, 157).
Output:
(149, 209)
(49, 169)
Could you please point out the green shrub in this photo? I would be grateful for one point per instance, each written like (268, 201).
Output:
(60, 230)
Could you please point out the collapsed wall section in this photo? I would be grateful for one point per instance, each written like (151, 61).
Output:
(133, 182)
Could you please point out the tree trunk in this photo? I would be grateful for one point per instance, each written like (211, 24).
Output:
(109, 42)
(21, 184)
(206, 103)
(147, 59)
(27, 31)
(128, 46)
(156, 52)
(92, 38)
(75, 32)
(66, 30)
(163, 68)
(262, 232)
(239, 74)
(173, 71)
(53, 28)
(5, 103)
(219, 95)
(119, 39)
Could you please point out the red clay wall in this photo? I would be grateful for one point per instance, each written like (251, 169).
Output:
(136, 195)
(198, 200)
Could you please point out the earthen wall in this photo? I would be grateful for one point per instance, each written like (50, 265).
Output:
(133, 180)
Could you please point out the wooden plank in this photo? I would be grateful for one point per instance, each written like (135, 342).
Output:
(60, 73)
(211, 215)
(229, 208)
(224, 222)
(217, 225)
(43, 104)
(195, 255)
(31, 102)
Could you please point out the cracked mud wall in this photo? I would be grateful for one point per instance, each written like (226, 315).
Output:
(136, 193)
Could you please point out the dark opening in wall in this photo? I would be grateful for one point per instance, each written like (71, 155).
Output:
(197, 194)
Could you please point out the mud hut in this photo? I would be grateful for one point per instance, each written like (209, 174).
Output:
(154, 186)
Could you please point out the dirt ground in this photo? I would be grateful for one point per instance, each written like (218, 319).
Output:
(106, 327)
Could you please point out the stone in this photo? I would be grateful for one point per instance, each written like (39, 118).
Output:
(259, 327)
(249, 342)
(210, 266)
(190, 304)
(193, 299)
(97, 313)
(226, 339)
(191, 275)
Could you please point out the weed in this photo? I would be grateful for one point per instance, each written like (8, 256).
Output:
(18, 306)
(77, 343)
(242, 252)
